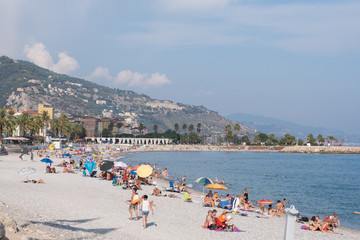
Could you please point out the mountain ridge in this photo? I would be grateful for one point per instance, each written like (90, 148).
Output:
(23, 85)
(281, 127)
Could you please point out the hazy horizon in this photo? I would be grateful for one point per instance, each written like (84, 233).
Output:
(290, 60)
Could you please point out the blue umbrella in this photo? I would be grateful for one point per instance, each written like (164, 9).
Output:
(66, 155)
(133, 173)
(90, 166)
(46, 160)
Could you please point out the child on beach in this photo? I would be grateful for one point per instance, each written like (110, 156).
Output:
(21, 155)
(145, 206)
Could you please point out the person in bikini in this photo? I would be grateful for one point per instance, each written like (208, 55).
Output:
(209, 200)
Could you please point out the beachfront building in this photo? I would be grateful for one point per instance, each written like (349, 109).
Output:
(130, 141)
(91, 126)
(42, 108)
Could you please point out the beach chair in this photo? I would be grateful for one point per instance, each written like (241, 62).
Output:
(187, 197)
(224, 204)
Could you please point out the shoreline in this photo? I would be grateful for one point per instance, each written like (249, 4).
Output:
(70, 206)
(265, 149)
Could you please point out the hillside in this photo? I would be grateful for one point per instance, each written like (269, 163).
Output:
(23, 85)
(280, 127)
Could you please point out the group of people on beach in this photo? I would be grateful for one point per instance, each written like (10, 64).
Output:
(328, 225)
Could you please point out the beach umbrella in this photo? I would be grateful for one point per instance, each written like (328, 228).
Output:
(46, 160)
(144, 171)
(120, 164)
(133, 173)
(265, 202)
(26, 172)
(134, 168)
(66, 155)
(106, 165)
(216, 186)
(204, 180)
(90, 166)
(89, 159)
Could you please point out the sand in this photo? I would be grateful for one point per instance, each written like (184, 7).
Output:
(70, 206)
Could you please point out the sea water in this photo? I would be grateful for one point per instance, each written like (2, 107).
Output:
(316, 184)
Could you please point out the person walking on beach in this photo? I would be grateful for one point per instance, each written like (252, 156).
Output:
(32, 156)
(145, 206)
(21, 154)
(135, 199)
(183, 181)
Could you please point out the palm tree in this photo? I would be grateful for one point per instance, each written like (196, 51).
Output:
(155, 129)
(228, 128)
(198, 128)
(176, 126)
(36, 125)
(23, 123)
(184, 127)
(237, 128)
(55, 126)
(7, 122)
(191, 128)
(64, 121)
(45, 118)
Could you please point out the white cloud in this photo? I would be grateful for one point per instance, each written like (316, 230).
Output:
(38, 54)
(129, 79)
(100, 74)
(143, 80)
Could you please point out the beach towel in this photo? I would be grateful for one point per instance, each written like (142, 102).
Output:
(222, 230)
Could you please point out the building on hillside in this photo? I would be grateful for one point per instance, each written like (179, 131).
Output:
(91, 126)
(48, 109)
(104, 123)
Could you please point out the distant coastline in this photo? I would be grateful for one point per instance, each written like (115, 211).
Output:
(280, 149)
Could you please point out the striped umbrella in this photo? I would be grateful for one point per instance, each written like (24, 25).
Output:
(204, 180)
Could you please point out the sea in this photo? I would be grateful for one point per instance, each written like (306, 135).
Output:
(316, 184)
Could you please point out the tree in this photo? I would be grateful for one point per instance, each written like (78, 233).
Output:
(141, 128)
(23, 123)
(7, 122)
(320, 139)
(184, 127)
(45, 118)
(300, 142)
(155, 127)
(245, 139)
(272, 139)
(288, 140)
(228, 128)
(310, 139)
(191, 128)
(176, 126)
(261, 138)
(229, 137)
(55, 126)
(237, 128)
(198, 128)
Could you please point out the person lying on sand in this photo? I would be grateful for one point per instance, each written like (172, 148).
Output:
(207, 199)
(156, 192)
(67, 170)
(173, 196)
(34, 181)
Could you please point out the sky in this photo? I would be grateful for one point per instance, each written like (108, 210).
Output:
(292, 60)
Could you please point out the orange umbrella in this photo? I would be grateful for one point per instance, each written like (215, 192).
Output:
(216, 186)
(144, 171)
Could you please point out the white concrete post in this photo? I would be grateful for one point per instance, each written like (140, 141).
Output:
(290, 222)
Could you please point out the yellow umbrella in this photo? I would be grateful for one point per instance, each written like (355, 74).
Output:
(144, 171)
(216, 186)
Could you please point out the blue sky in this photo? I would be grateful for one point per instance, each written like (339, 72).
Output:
(292, 60)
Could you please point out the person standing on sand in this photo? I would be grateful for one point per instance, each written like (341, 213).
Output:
(145, 206)
(31, 155)
(21, 154)
(135, 199)
(279, 208)
(283, 205)
(246, 195)
(183, 181)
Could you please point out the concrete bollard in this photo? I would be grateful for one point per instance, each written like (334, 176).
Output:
(290, 222)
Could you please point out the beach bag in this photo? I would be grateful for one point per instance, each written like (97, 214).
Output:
(228, 228)
(136, 199)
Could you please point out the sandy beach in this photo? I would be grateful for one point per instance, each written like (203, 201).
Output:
(70, 206)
